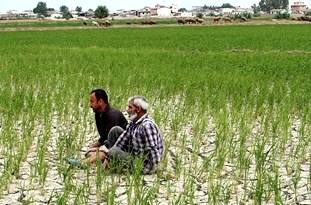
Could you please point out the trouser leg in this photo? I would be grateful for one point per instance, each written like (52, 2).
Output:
(113, 136)
(119, 159)
(116, 152)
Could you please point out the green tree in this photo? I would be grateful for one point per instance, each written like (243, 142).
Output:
(268, 5)
(78, 9)
(285, 4)
(227, 5)
(182, 10)
(101, 12)
(255, 8)
(63, 9)
(41, 9)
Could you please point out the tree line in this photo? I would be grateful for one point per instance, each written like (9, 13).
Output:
(42, 10)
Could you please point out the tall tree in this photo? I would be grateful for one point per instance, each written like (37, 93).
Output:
(285, 4)
(101, 12)
(255, 8)
(227, 5)
(63, 9)
(79, 9)
(41, 9)
(268, 5)
(182, 10)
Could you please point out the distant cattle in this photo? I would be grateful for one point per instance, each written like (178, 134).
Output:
(181, 21)
(199, 21)
(148, 22)
(106, 23)
(227, 20)
(243, 19)
(84, 23)
(216, 20)
(94, 23)
(190, 21)
(305, 18)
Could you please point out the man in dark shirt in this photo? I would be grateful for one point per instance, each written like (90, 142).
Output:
(110, 124)
(107, 119)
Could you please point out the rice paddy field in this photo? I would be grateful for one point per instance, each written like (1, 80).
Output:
(233, 103)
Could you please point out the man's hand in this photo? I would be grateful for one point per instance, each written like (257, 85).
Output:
(88, 153)
(104, 149)
(95, 145)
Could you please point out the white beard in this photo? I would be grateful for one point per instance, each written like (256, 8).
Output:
(133, 116)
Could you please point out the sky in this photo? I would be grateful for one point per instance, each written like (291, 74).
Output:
(114, 5)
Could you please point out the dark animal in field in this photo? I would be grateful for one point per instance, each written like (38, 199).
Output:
(227, 20)
(307, 18)
(304, 18)
(148, 22)
(95, 23)
(298, 18)
(243, 19)
(181, 21)
(84, 23)
(128, 23)
(199, 21)
(106, 23)
(216, 20)
(190, 21)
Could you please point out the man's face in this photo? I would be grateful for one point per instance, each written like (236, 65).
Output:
(94, 103)
(132, 111)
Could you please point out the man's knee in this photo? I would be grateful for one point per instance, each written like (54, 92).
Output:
(116, 130)
(113, 136)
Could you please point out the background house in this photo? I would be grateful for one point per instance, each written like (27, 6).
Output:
(298, 7)
(227, 11)
(163, 11)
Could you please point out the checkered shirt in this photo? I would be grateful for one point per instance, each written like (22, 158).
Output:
(143, 137)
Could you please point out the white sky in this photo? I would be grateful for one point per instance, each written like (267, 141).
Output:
(114, 5)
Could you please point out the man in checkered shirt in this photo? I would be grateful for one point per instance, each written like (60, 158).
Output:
(142, 137)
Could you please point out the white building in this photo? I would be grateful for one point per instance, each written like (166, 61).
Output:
(240, 11)
(186, 14)
(57, 16)
(298, 7)
(227, 11)
(164, 11)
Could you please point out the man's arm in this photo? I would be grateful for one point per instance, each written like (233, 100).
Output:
(151, 152)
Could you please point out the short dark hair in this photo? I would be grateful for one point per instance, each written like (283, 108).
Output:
(100, 94)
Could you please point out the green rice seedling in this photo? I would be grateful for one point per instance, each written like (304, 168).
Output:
(309, 179)
(99, 178)
(214, 192)
(81, 195)
(260, 157)
(110, 191)
(275, 185)
(189, 189)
